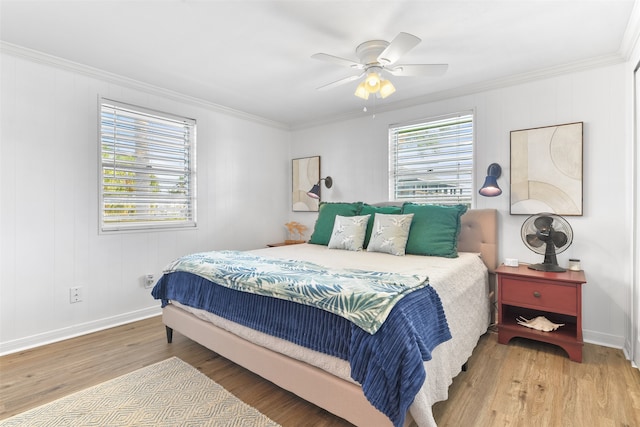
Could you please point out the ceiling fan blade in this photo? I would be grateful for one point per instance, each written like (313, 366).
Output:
(402, 44)
(340, 82)
(337, 60)
(418, 70)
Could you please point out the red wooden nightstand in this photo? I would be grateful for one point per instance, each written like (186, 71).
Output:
(285, 243)
(530, 293)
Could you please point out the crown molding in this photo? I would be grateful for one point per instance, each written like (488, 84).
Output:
(631, 38)
(631, 33)
(64, 64)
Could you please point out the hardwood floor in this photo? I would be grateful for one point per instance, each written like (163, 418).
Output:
(521, 384)
(527, 383)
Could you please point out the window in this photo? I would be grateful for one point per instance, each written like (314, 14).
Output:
(432, 160)
(147, 171)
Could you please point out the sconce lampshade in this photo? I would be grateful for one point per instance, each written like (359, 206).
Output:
(314, 193)
(490, 187)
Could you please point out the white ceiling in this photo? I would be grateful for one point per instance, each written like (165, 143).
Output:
(254, 56)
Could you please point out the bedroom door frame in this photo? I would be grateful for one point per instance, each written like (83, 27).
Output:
(635, 183)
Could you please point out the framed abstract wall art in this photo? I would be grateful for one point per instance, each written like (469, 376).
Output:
(546, 170)
(305, 174)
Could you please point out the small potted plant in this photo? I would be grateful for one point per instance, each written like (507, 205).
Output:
(296, 232)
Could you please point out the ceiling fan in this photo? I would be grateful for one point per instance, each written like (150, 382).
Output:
(378, 57)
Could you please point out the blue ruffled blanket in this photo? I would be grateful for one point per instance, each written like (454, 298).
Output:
(388, 364)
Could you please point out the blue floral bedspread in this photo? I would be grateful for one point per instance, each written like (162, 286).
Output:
(364, 297)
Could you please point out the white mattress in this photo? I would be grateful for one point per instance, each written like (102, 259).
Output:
(461, 283)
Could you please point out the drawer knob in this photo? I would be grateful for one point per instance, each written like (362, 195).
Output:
(536, 294)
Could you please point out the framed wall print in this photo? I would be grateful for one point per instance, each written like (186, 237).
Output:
(546, 170)
(305, 174)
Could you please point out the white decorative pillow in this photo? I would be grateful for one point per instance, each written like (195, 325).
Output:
(390, 233)
(348, 232)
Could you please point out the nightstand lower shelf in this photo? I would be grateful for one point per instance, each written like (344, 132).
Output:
(564, 337)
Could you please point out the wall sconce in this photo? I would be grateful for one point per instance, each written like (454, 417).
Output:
(490, 187)
(314, 193)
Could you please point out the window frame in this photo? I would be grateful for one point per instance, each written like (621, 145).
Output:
(467, 193)
(189, 201)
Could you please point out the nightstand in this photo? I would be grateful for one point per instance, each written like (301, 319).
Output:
(530, 293)
(285, 243)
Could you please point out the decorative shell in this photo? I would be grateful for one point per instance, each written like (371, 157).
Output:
(540, 323)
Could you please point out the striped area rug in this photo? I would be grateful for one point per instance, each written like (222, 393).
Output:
(168, 393)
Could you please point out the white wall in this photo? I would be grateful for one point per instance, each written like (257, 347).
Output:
(633, 103)
(49, 237)
(354, 153)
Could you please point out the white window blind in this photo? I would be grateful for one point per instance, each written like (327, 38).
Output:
(432, 160)
(147, 168)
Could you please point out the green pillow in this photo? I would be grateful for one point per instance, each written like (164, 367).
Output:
(434, 230)
(372, 210)
(326, 216)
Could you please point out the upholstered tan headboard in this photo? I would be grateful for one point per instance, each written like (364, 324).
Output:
(479, 233)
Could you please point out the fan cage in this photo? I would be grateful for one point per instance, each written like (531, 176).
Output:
(547, 246)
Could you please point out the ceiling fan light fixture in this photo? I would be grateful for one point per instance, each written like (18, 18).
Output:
(373, 82)
(372, 89)
(386, 88)
(361, 91)
(375, 58)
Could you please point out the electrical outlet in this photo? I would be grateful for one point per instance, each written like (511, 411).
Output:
(75, 294)
(149, 280)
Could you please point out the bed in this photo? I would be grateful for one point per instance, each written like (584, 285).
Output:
(461, 283)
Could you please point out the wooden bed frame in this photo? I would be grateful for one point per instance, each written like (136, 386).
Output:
(345, 399)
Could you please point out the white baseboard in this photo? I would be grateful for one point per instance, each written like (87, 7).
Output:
(76, 330)
(605, 340)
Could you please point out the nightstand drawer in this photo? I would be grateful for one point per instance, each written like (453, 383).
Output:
(550, 297)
